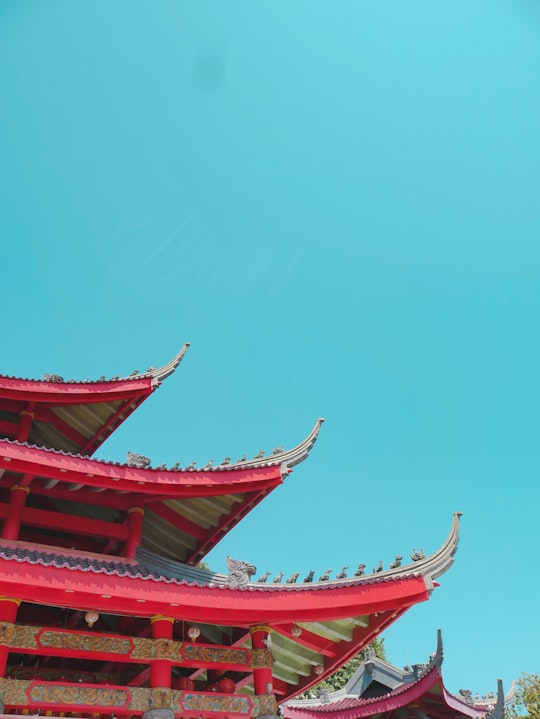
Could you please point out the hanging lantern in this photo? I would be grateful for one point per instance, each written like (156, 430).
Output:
(296, 632)
(318, 669)
(91, 618)
(184, 684)
(194, 633)
(226, 685)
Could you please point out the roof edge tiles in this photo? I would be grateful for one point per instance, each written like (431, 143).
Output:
(185, 597)
(162, 569)
(284, 458)
(430, 568)
(157, 375)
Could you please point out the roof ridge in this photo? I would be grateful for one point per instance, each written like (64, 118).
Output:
(156, 374)
(285, 458)
(430, 567)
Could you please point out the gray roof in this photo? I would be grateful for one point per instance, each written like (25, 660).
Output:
(375, 670)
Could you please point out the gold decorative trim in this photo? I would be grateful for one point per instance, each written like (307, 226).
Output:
(161, 698)
(84, 642)
(208, 654)
(25, 638)
(94, 696)
(259, 628)
(57, 696)
(18, 486)
(261, 658)
(264, 704)
(194, 701)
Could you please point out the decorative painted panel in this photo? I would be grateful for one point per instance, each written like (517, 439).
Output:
(41, 640)
(56, 696)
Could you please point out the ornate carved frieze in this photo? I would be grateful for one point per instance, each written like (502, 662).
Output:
(57, 696)
(205, 653)
(59, 675)
(261, 658)
(216, 703)
(15, 692)
(7, 632)
(264, 705)
(161, 698)
(78, 695)
(25, 637)
(84, 642)
(131, 649)
(148, 649)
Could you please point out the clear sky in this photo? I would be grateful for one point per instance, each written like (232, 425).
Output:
(337, 204)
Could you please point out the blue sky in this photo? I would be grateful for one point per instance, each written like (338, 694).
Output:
(337, 205)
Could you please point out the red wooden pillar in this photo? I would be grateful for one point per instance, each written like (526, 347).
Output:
(19, 492)
(8, 613)
(160, 669)
(25, 423)
(12, 523)
(135, 522)
(262, 678)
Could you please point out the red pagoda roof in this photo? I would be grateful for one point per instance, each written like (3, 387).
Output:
(335, 618)
(70, 415)
(187, 511)
(75, 514)
(378, 689)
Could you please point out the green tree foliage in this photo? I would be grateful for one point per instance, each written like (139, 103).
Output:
(527, 701)
(342, 676)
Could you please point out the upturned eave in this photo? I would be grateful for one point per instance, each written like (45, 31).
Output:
(143, 595)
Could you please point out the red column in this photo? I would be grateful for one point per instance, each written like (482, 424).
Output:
(17, 500)
(12, 522)
(135, 522)
(8, 613)
(160, 669)
(25, 423)
(262, 678)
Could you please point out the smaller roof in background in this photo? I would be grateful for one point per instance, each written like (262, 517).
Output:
(378, 688)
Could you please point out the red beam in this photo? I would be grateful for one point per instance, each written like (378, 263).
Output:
(82, 544)
(84, 495)
(70, 523)
(307, 639)
(52, 394)
(8, 428)
(114, 594)
(12, 406)
(362, 636)
(44, 414)
(141, 678)
(82, 470)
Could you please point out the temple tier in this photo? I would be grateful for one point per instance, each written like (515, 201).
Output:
(379, 689)
(104, 610)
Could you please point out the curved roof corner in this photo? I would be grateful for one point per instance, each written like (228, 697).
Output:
(441, 560)
(161, 373)
(300, 452)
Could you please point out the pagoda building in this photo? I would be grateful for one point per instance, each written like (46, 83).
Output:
(105, 608)
(379, 690)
